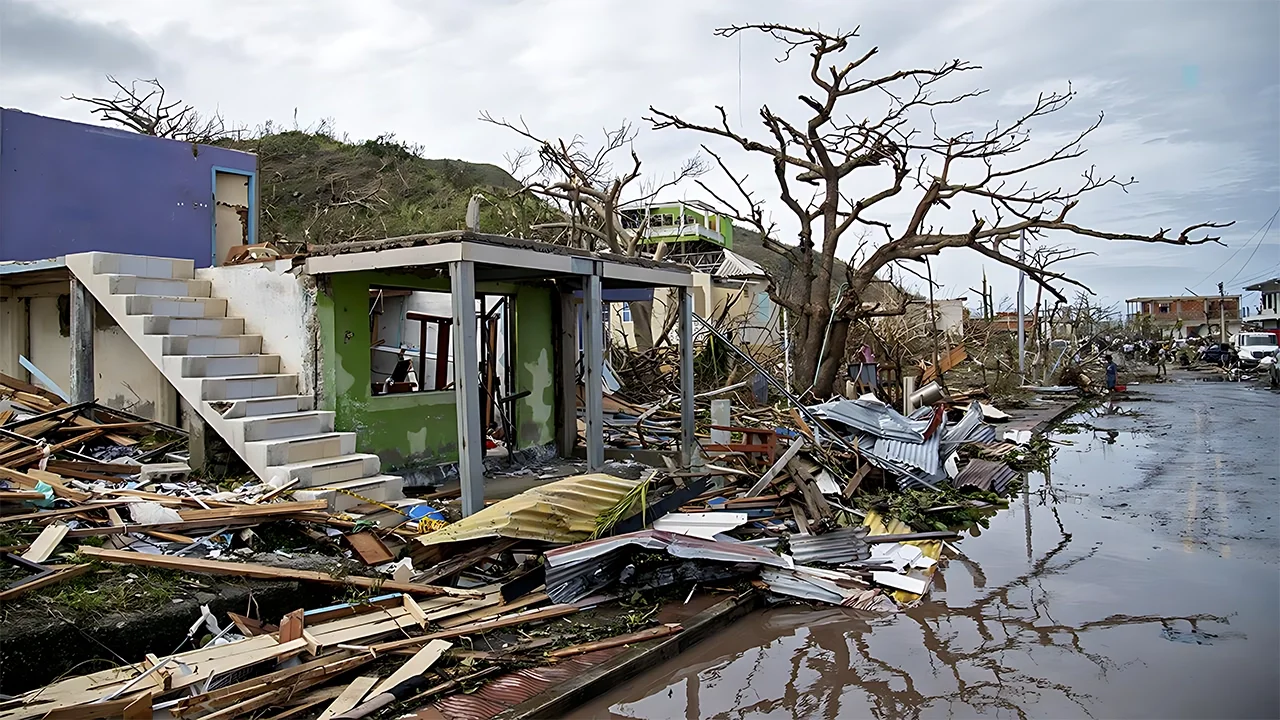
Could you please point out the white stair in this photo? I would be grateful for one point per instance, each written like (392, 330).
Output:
(223, 373)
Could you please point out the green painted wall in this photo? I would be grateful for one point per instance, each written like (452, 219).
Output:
(724, 223)
(420, 429)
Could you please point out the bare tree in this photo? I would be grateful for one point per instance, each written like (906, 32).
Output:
(814, 159)
(148, 111)
(582, 184)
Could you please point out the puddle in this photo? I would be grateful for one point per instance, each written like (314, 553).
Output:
(1157, 610)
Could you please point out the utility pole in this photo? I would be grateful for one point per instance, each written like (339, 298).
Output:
(1222, 313)
(1022, 329)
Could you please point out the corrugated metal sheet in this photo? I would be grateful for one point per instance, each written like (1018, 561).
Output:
(964, 431)
(884, 526)
(924, 456)
(986, 475)
(873, 418)
(805, 584)
(563, 511)
(514, 688)
(703, 525)
(578, 570)
(841, 545)
(734, 265)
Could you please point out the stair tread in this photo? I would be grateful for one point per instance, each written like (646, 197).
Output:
(235, 357)
(245, 377)
(324, 461)
(358, 482)
(283, 416)
(303, 438)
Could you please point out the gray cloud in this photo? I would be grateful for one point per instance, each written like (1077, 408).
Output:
(1191, 89)
(34, 40)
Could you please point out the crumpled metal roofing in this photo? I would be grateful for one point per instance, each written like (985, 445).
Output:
(677, 546)
(734, 265)
(967, 430)
(573, 572)
(703, 525)
(808, 584)
(872, 418)
(841, 545)
(986, 475)
(564, 511)
(508, 691)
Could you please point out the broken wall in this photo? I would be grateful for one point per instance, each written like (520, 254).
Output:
(123, 376)
(67, 187)
(420, 429)
(277, 303)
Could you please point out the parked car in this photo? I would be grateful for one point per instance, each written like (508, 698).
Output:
(1254, 346)
(1218, 354)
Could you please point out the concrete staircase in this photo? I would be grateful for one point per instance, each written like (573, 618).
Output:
(222, 373)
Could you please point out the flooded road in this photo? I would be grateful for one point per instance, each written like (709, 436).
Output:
(1140, 578)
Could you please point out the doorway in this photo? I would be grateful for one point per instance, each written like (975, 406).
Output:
(233, 224)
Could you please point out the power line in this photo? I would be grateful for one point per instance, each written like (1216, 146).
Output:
(1255, 247)
(1266, 224)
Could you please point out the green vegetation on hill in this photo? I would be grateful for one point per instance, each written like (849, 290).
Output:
(318, 189)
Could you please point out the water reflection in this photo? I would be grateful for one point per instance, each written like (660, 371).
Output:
(1090, 620)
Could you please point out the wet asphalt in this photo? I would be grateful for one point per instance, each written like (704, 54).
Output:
(1139, 578)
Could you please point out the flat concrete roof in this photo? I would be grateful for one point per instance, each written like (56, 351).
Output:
(497, 258)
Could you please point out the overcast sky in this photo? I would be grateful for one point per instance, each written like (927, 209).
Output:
(1191, 90)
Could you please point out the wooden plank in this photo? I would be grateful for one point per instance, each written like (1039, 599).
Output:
(551, 613)
(794, 449)
(258, 697)
(253, 511)
(478, 615)
(236, 692)
(46, 543)
(20, 495)
(217, 567)
(65, 572)
(856, 479)
(613, 642)
(415, 666)
(28, 481)
(370, 548)
(291, 626)
(307, 702)
(139, 709)
(350, 697)
(247, 625)
(358, 634)
(52, 514)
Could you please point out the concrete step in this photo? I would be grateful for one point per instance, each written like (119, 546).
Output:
(326, 471)
(257, 407)
(175, 306)
(288, 451)
(166, 325)
(134, 285)
(248, 386)
(212, 344)
(276, 427)
(142, 266)
(343, 496)
(229, 365)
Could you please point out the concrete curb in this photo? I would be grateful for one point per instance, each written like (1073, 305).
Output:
(558, 701)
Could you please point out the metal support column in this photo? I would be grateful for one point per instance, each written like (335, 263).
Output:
(593, 358)
(688, 443)
(82, 306)
(466, 384)
(567, 366)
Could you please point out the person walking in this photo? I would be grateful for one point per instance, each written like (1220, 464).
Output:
(1111, 374)
(1162, 354)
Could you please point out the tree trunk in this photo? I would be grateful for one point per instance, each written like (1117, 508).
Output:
(642, 324)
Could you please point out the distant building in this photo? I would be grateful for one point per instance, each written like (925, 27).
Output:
(1008, 322)
(1186, 316)
(728, 289)
(1268, 315)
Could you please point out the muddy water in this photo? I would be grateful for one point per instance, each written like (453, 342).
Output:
(1138, 579)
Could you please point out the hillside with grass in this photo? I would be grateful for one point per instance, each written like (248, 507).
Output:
(317, 189)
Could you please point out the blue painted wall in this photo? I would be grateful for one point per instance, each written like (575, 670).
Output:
(68, 187)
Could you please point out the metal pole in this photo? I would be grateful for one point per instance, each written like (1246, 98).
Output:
(593, 357)
(688, 443)
(786, 348)
(82, 303)
(1221, 314)
(466, 385)
(1022, 330)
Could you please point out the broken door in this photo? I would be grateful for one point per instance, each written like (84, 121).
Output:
(232, 224)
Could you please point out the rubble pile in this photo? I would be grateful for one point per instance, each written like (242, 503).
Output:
(846, 503)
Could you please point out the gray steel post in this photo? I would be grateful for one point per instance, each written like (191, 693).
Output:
(466, 384)
(1022, 329)
(593, 357)
(688, 443)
